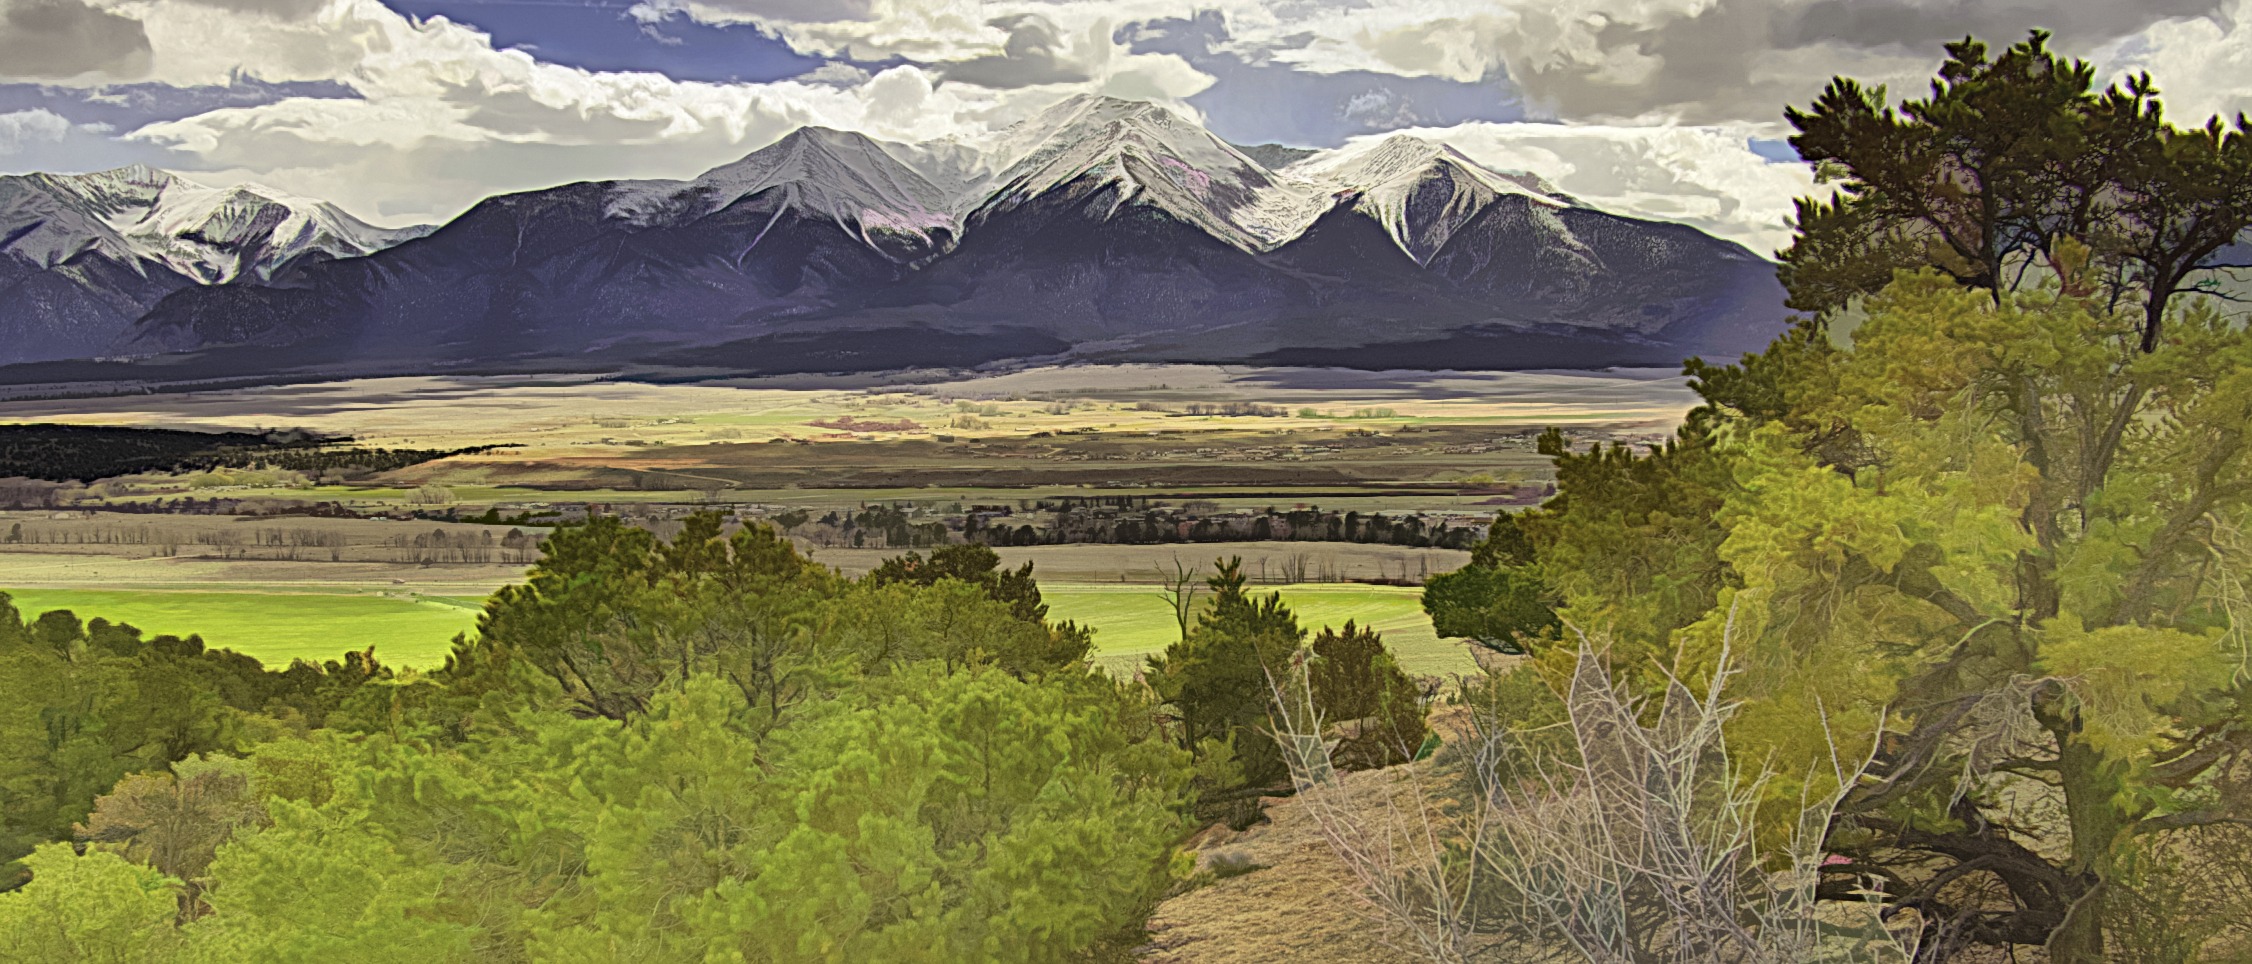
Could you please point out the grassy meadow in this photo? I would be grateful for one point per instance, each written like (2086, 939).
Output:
(411, 629)
(276, 627)
(1131, 622)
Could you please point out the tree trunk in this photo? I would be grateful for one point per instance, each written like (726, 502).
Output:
(2091, 792)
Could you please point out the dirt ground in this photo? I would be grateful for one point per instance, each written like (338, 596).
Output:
(1299, 906)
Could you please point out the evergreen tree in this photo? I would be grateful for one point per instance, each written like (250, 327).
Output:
(1362, 693)
(1218, 680)
(2010, 154)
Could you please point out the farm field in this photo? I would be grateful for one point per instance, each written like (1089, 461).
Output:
(1243, 437)
(1458, 446)
(352, 587)
(460, 411)
(1133, 622)
(411, 629)
(406, 631)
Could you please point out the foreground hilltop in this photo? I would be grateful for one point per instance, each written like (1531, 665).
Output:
(1100, 229)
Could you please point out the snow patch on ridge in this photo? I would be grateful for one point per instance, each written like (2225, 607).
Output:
(845, 177)
(1141, 154)
(1423, 192)
(139, 215)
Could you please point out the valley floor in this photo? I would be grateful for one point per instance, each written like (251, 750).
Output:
(233, 556)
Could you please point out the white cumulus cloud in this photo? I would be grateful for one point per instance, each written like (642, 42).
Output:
(444, 119)
(21, 129)
(2203, 65)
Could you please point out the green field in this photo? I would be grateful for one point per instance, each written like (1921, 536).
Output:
(1131, 621)
(277, 627)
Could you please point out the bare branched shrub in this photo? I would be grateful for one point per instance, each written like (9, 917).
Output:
(1635, 839)
(1399, 847)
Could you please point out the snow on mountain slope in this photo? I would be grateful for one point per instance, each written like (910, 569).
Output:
(1149, 156)
(83, 255)
(843, 176)
(206, 234)
(914, 200)
(217, 235)
(1424, 192)
(46, 220)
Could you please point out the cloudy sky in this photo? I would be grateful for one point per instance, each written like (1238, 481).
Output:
(407, 111)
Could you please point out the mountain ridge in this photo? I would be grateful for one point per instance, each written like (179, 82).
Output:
(1099, 229)
(84, 255)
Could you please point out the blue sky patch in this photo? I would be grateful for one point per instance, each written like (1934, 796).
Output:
(599, 35)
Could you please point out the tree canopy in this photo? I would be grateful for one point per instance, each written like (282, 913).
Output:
(2010, 154)
(1980, 516)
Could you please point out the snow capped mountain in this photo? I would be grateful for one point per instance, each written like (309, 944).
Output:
(207, 234)
(1131, 153)
(218, 235)
(1100, 229)
(1423, 192)
(83, 255)
(47, 219)
(843, 176)
(1148, 155)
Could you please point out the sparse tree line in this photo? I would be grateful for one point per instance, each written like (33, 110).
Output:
(1229, 409)
(891, 527)
(872, 527)
(30, 494)
(439, 546)
(1167, 526)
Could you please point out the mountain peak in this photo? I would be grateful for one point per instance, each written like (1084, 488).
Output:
(103, 247)
(1144, 155)
(862, 184)
(816, 136)
(1109, 105)
(134, 174)
(116, 189)
(1371, 162)
(1096, 116)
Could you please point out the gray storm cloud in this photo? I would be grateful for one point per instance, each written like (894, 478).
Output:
(2075, 22)
(1740, 60)
(58, 39)
(1037, 52)
(278, 9)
